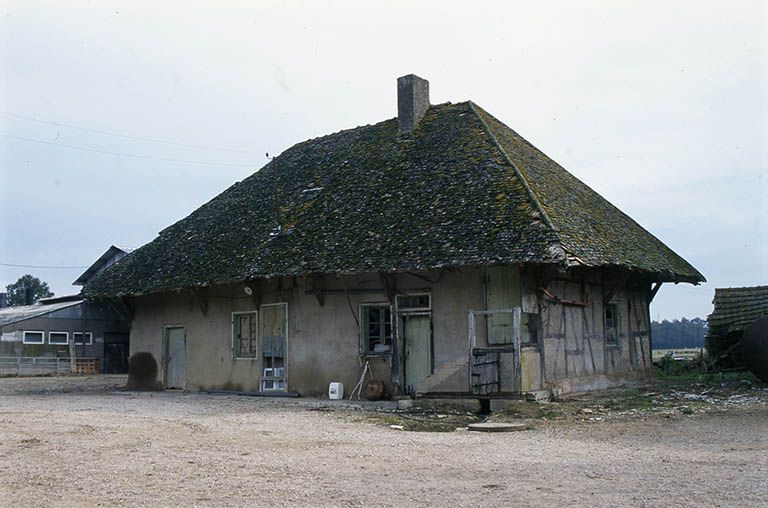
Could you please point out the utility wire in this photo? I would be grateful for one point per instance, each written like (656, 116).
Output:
(132, 155)
(51, 267)
(125, 136)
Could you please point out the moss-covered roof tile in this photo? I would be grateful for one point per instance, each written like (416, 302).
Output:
(461, 190)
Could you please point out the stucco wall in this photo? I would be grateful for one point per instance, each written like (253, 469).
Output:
(323, 340)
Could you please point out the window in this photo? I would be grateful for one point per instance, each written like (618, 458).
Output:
(377, 329)
(58, 338)
(245, 341)
(611, 323)
(33, 338)
(414, 302)
(78, 338)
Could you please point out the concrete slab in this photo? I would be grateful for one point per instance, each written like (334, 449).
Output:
(496, 427)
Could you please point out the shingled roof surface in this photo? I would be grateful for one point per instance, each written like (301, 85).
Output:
(462, 189)
(737, 308)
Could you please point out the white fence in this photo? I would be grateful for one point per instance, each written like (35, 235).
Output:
(35, 366)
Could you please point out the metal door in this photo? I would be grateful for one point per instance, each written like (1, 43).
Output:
(418, 350)
(175, 357)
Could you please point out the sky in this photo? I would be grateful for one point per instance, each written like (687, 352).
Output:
(119, 118)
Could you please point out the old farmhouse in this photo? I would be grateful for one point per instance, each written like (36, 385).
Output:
(440, 248)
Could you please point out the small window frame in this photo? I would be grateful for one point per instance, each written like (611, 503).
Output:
(365, 341)
(236, 353)
(80, 343)
(52, 343)
(400, 309)
(30, 332)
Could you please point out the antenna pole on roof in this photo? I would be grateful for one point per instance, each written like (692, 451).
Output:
(277, 192)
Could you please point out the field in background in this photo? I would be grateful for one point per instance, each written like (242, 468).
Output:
(678, 354)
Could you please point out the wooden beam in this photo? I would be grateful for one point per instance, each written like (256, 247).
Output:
(389, 287)
(653, 292)
(316, 286)
(199, 297)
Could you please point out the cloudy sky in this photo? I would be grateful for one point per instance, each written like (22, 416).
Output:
(116, 120)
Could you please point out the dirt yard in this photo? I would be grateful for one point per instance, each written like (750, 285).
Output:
(82, 442)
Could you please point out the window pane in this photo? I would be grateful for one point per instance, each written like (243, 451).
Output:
(413, 302)
(377, 329)
(34, 338)
(57, 338)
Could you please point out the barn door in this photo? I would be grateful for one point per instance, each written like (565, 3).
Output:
(175, 357)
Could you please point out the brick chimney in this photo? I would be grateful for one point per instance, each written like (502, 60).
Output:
(412, 101)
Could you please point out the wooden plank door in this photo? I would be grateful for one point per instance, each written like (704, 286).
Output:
(503, 291)
(417, 330)
(176, 357)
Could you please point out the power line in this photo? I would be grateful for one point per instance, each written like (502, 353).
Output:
(126, 136)
(47, 267)
(131, 155)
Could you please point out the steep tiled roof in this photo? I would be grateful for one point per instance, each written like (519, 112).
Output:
(462, 189)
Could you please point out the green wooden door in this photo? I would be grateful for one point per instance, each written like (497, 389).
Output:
(176, 357)
(503, 291)
(418, 350)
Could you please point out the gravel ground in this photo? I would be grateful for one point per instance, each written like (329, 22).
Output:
(79, 442)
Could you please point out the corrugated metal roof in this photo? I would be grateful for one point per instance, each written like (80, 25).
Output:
(11, 315)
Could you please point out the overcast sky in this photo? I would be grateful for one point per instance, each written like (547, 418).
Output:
(659, 106)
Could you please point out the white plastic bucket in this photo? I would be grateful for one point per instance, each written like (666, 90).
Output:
(336, 391)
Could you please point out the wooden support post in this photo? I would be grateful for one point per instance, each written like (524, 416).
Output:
(653, 292)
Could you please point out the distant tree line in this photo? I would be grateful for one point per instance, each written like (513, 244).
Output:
(679, 333)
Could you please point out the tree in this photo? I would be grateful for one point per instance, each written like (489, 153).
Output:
(26, 291)
(679, 334)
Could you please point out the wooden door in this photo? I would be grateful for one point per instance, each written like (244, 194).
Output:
(417, 330)
(176, 357)
(503, 291)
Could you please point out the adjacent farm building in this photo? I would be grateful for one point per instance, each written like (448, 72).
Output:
(735, 310)
(47, 337)
(439, 247)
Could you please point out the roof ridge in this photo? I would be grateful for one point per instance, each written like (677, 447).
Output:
(531, 195)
